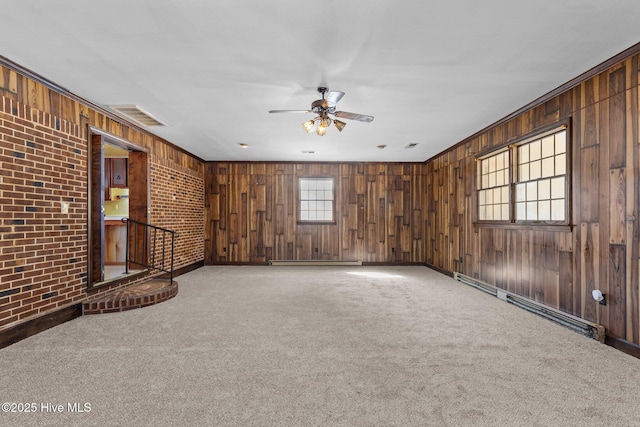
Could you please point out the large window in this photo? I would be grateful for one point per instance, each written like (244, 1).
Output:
(316, 199)
(526, 181)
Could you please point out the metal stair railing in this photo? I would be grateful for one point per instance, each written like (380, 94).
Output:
(152, 255)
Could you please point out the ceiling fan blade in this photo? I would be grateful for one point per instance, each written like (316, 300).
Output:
(290, 111)
(353, 116)
(333, 97)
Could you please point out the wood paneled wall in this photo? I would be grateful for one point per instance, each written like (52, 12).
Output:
(251, 213)
(557, 266)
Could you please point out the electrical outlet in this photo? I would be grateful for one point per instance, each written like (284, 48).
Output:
(64, 207)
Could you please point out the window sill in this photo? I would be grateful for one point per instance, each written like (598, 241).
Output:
(316, 223)
(561, 228)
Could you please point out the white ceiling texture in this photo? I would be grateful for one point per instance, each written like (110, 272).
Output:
(431, 72)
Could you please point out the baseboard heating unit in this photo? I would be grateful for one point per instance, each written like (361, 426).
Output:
(313, 262)
(591, 330)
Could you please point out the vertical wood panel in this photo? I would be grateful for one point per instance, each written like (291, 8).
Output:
(589, 183)
(565, 281)
(617, 206)
(590, 265)
(617, 291)
(617, 119)
(253, 207)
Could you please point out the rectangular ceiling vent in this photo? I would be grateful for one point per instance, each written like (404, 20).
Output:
(137, 114)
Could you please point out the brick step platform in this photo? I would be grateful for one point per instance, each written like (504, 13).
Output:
(135, 296)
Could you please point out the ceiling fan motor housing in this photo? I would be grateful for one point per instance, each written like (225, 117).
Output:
(319, 105)
(323, 107)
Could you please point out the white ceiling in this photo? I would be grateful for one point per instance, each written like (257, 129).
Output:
(431, 72)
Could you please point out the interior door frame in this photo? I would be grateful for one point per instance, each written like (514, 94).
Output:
(96, 211)
(139, 196)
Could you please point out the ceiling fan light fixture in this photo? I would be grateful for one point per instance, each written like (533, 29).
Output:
(308, 125)
(325, 121)
(323, 108)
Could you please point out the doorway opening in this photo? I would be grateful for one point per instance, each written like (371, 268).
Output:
(118, 189)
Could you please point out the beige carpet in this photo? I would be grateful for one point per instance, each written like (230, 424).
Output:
(320, 346)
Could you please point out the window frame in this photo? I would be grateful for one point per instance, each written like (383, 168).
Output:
(504, 149)
(299, 200)
(513, 147)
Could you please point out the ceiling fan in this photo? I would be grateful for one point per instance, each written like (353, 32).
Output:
(323, 108)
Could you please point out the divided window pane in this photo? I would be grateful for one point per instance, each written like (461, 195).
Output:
(316, 201)
(493, 197)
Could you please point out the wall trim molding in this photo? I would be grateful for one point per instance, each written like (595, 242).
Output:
(15, 332)
(313, 262)
(439, 270)
(180, 271)
(623, 345)
(187, 268)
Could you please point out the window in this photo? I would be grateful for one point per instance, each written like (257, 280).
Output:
(493, 197)
(316, 199)
(540, 186)
(526, 181)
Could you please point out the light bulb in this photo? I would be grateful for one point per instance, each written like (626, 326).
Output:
(308, 125)
(326, 121)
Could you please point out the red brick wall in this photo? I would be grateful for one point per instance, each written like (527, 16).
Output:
(177, 200)
(43, 163)
(43, 252)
